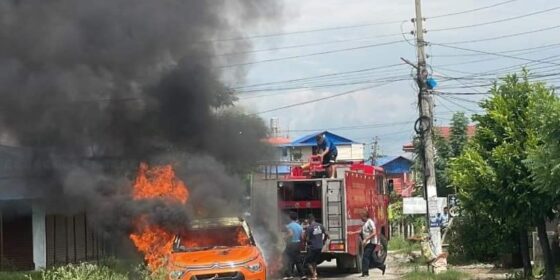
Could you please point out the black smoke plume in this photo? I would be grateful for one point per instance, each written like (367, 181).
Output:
(95, 87)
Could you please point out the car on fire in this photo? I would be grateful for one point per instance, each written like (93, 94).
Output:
(216, 249)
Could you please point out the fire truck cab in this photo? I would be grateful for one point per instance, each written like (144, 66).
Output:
(337, 204)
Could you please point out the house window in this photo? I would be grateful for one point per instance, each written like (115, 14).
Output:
(296, 154)
(380, 184)
(284, 152)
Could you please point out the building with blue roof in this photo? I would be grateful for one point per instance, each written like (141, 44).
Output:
(301, 148)
(399, 172)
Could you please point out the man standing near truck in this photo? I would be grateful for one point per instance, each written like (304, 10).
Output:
(315, 237)
(369, 243)
(292, 253)
(329, 153)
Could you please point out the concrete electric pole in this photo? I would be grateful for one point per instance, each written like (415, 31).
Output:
(424, 127)
(374, 150)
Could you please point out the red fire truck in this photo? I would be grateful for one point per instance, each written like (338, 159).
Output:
(337, 204)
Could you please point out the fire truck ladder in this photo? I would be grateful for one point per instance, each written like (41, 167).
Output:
(334, 212)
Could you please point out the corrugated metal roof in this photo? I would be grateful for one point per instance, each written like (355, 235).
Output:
(381, 161)
(309, 140)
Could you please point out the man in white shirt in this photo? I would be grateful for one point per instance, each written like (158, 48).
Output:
(369, 242)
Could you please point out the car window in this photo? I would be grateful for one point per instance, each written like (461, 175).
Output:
(208, 238)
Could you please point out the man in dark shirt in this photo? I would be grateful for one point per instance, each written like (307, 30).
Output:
(329, 153)
(315, 237)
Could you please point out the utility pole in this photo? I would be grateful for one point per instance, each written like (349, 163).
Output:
(374, 149)
(423, 127)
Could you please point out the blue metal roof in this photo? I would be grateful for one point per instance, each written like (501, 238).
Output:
(380, 161)
(309, 140)
(394, 164)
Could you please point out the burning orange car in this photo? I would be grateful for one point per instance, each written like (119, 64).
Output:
(216, 249)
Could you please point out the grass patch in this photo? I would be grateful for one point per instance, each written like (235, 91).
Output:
(456, 259)
(112, 270)
(398, 243)
(447, 275)
(17, 275)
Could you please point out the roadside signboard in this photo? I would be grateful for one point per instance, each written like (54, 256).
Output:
(417, 205)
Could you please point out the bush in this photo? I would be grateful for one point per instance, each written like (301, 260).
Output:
(88, 271)
(474, 237)
(398, 243)
(82, 271)
(447, 275)
(20, 275)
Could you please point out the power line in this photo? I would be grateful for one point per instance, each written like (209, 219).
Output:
(384, 134)
(388, 35)
(365, 126)
(310, 44)
(350, 26)
(463, 93)
(446, 107)
(456, 104)
(312, 54)
(504, 36)
(342, 83)
(464, 100)
(306, 31)
(473, 10)
(321, 76)
(495, 21)
(319, 99)
(348, 78)
(499, 54)
(497, 71)
(508, 51)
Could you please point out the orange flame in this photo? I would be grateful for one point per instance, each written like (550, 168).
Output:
(156, 182)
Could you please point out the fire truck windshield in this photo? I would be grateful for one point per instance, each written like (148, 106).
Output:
(211, 238)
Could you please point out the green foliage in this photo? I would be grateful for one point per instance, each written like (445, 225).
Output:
(395, 209)
(445, 150)
(447, 275)
(20, 275)
(88, 271)
(441, 161)
(82, 271)
(398, 243)
(544, 156)
(474, 237)
(458, 138)
(496, 188)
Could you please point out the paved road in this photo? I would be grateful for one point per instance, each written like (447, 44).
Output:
(396, 268)
(327, 270)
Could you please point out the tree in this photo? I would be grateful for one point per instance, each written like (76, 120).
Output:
(458, 138)
(447, 149)
(491, 174)
(544, 159)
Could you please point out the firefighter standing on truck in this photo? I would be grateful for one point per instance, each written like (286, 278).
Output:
(329, 153)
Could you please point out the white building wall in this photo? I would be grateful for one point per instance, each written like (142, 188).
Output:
(39, 236)
(345, 152)
(351, 152)
(358, 151)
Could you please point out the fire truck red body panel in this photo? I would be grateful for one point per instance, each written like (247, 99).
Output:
(337, 203)
(365, 191)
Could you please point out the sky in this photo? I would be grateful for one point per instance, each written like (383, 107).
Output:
(383, 96)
